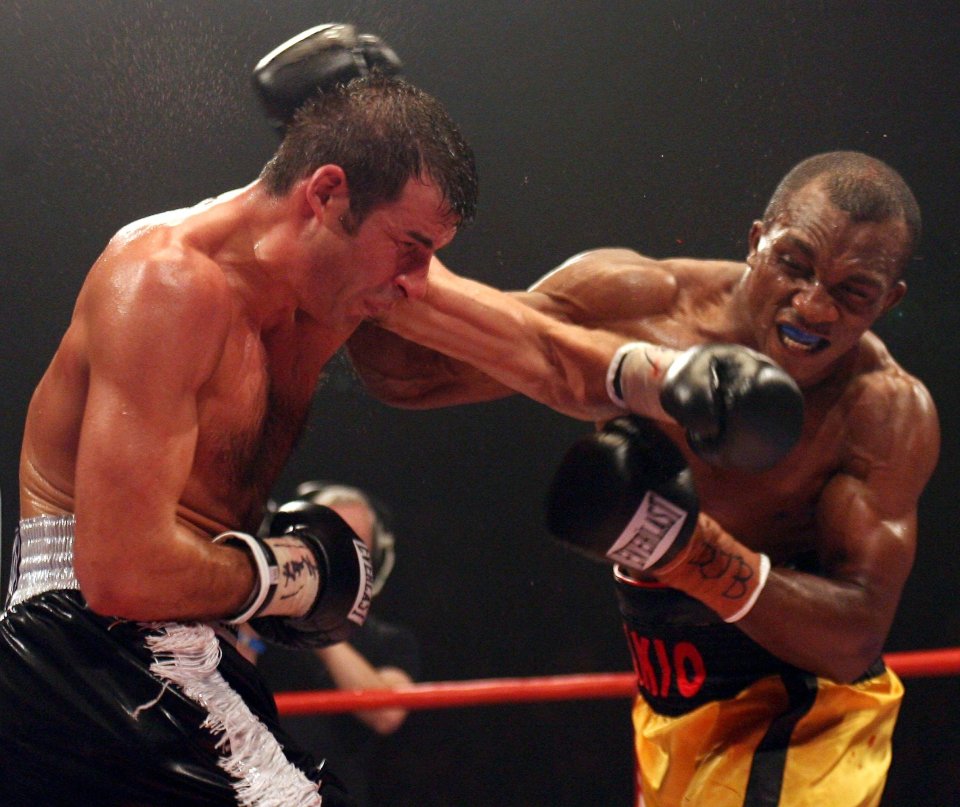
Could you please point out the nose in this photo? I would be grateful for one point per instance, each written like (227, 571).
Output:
(414, 282)
(815, 304)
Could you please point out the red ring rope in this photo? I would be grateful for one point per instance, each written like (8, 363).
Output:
(910, 664)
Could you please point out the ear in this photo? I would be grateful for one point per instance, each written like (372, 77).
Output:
(894, 296)
(328, 182)
(753, 238)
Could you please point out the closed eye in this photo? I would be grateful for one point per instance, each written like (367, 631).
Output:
(794, 267)
(857, 296)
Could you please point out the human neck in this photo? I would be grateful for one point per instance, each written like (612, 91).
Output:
(254, 236)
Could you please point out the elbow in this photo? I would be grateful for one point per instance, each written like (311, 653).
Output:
(106, 599)
(383, 389)
(114, 595)
(848, 667)
(395, 392)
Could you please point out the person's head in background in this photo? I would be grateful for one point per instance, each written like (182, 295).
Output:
(366, 518)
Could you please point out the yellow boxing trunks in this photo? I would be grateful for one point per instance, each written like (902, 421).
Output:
(821, 744)
(722, 723)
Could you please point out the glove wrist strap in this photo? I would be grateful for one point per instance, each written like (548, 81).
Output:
(265, 567)
(635, 377)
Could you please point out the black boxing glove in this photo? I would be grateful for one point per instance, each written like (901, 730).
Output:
(314, 61)
(739, 409)
(314, 577)
(625, 495)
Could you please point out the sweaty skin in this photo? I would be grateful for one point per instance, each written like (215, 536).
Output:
(813, 284)
(186, 374)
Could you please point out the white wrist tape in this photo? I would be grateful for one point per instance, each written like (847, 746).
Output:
(748, 605)
(298, 579)
(635, 377)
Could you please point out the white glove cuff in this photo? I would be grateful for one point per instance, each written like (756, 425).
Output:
(748, 605)
(613, 372)
(635, 377)
(267, 573)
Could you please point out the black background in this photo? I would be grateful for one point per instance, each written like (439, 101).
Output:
(661, 126)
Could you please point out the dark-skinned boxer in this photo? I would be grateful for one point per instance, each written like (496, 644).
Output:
(758, 652)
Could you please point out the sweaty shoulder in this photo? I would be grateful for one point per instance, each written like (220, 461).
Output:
(604, 286)
(148, 289)
(892, 425)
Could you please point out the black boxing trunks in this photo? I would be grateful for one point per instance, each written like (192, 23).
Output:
(103, 711)
(720, 721)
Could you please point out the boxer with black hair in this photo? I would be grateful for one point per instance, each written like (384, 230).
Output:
(165, 416)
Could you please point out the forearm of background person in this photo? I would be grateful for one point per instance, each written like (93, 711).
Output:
(351, 671)
(558, 364)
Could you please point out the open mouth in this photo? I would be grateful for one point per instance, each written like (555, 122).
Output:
(800, 340)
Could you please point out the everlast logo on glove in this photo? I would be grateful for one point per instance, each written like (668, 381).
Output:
(361, 606)
(649, 534)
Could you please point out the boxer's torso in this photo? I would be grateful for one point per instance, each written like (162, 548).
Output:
(683, 302)
(249, 410)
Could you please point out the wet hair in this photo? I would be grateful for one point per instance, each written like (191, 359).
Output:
(382, 131)
(864, 187)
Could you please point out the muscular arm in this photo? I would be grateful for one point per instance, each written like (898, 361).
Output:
(553, 344)
(835, 625)
(402, 373)
(153, 339)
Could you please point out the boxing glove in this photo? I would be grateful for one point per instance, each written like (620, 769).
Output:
(624, 495)
(314, 61)
(314, 577)
(738, 408)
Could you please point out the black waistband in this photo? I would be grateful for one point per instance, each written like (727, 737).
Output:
(684, 655)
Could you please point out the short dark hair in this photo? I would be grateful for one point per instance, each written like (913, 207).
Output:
(864, 187)
(382, 131)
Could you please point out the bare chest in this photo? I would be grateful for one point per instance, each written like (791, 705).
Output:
(773, 512)
(250, 416)
(776, 511)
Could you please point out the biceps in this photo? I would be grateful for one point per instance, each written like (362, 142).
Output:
(861, 544)
(135, 454)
